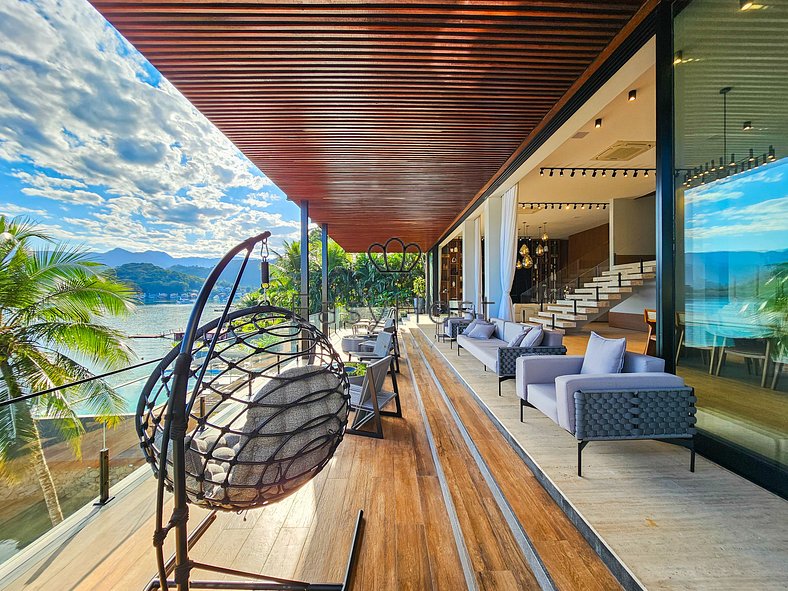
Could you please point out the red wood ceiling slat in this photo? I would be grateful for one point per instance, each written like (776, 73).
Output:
(386, 116)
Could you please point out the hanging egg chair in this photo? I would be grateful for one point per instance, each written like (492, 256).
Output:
(249, 408)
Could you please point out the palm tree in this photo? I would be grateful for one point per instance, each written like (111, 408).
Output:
(50, 300)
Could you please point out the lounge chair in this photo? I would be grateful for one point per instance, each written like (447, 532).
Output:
(369, 398)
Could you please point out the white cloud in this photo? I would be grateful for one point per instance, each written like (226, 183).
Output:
(149, 169)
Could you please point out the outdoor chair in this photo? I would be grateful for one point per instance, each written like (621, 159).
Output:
(753, 351)
(384, 346)
(639, 401)
(650, 318)
(369, 398)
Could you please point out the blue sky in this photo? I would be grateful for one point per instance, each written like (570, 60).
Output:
(103, 151)
(745, 212)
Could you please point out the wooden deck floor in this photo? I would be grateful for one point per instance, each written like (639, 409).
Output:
(418, 534)
(672, 529)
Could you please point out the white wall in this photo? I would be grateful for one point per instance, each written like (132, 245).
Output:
(469, 253)
(633, 227)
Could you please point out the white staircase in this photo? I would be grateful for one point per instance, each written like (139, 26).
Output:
(594, 298)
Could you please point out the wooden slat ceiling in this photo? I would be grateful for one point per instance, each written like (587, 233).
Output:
(387, 117)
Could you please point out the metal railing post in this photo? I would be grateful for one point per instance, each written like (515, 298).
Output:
(104, 497)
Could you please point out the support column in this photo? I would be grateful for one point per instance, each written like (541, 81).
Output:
(492, 252)
(469, 254)
(666, 205)
(305, 260)
(324, 278)
(435, 283)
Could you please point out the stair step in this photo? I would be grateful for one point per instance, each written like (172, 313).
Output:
(610, 289)
(548, 322)
(588, 305)
(628, 266)
(569, 308)
(588, 297)
(625, 276)
(614, 283)
(565, 315)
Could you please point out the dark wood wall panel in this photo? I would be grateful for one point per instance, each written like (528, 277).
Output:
(388, 117)
(591, 246)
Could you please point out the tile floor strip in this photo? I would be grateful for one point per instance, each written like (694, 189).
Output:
(526, 546)
(465, 560)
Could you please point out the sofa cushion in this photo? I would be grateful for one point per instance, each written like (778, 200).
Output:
(542, 396)
(637, 363)
(533, 338)
(485, 351)
(603, 355)
(482, 331)
(512, 330)
(500, 328)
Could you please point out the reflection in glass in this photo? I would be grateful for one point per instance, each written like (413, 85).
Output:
(732, 222)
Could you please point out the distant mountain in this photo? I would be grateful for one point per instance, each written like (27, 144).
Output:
(194, 266)
(120, 256)
(151, 279)
(722, 268)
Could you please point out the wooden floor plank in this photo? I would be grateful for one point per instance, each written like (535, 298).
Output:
(572, 564)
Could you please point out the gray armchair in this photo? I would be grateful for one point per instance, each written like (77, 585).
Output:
(641, 402)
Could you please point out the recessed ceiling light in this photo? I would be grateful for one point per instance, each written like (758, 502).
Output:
(633, 95)
(598, 123)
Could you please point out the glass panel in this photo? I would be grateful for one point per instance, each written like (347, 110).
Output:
(24, 513)
(731, 80)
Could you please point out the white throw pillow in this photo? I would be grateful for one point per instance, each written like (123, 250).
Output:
(603, 355)
(533, 338)
(482, 331)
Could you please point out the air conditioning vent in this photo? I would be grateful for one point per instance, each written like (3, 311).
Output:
(580, 135)
(623, 151)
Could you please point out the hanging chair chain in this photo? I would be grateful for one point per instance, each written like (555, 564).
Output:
(265, 278)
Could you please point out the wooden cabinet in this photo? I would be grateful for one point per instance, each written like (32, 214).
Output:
(451, 271)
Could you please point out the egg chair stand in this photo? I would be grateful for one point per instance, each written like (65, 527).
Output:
(250, 407)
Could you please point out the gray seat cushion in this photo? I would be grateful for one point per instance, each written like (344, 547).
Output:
(485, 351)
(542, 396)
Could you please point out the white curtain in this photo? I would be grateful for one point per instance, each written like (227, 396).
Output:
(477, 264)
(508, 251)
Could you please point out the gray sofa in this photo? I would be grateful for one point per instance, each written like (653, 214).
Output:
(641, 402)
(495, 354)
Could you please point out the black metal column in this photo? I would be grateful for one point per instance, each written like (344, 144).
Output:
(305, 259)
(324, 278)
(666, 204)
(436, 294)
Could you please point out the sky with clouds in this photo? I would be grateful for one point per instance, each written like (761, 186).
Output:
(102, 151)
(745, 212)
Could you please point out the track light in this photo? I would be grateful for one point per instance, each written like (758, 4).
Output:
(625, 172)
(584, 172)
(752, 157)
(614, 173)
(635, 173)
(645, 173)
(593, 174)
(551, 172)
(678, 58)
(598, 123)
(541, 172)
(561, 172)
(604, 206)
(572, 174)
(603, 172)
(633, 95)
(746, 126)
(574, 206)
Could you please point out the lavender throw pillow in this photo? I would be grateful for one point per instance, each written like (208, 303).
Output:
(533, 338)
(482, 331)
(515, 342)
(603, 355)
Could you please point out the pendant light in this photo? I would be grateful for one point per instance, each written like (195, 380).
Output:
(524, 250)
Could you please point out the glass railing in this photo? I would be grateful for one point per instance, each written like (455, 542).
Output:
(47, 475)
(562, 282)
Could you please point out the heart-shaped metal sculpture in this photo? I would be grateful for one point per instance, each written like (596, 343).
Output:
(383, 249)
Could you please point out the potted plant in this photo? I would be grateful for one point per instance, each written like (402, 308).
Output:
(419, 290)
